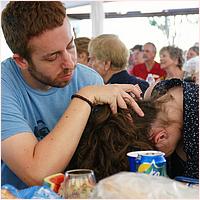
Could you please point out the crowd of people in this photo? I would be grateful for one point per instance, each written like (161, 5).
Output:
(141, 60)
(74, 103)
(173, 63)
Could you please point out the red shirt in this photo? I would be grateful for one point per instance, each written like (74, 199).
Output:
(141, 71)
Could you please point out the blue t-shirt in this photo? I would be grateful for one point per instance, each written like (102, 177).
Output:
(25, 109)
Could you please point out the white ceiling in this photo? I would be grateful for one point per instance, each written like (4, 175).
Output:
(72, 4)
(123, 6)
(81, 6)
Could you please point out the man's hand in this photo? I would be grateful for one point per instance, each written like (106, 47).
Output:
(115, 95)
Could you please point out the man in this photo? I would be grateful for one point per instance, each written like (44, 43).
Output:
(109, 57)
(40, 129)
(150, 66)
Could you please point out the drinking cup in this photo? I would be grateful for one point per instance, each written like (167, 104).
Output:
(78, 184)
(131, 158)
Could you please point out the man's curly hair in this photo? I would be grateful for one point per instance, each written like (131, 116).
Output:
(23, 20)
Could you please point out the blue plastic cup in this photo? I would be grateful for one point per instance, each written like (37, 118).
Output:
(132, 158)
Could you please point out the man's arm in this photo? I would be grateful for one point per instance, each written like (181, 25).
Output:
(33, 160)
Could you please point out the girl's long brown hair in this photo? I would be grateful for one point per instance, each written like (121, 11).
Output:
(107, 139)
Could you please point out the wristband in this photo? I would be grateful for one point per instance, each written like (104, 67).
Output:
(82, 98)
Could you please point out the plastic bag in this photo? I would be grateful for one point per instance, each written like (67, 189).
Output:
(142, 186)
(34, 192)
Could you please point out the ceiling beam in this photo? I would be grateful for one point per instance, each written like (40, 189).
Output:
(170, 12)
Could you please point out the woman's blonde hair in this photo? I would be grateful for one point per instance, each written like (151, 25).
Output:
(108, 47)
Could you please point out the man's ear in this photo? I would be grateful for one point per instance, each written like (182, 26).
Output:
(23, 64)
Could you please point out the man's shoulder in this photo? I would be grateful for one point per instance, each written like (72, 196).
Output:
(9, 70)
(85, 73)
(7, 63)
(85, 68)
(139, 66)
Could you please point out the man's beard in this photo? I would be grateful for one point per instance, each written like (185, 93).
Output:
(45, 80)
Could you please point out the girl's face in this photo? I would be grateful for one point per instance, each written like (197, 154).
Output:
(167, 128)
(166, 61)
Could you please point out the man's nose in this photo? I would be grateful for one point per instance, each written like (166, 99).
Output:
(67, 60)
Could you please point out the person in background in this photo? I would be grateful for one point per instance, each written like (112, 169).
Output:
(82, 49)
(150, 66)
(109, 57)
(191, 70)
(196, 44)
(191, 66)
(130, 60)
(192, 52)
(40, 124)
(136, 56)
(171, 60)
(170, 124)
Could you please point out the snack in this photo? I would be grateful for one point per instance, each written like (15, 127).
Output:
(6, 194)
(54, 181)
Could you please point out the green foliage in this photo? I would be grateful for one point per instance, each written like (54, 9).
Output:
(153, 22)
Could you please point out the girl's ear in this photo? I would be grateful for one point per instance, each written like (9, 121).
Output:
(160, 136)
(23, 64)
